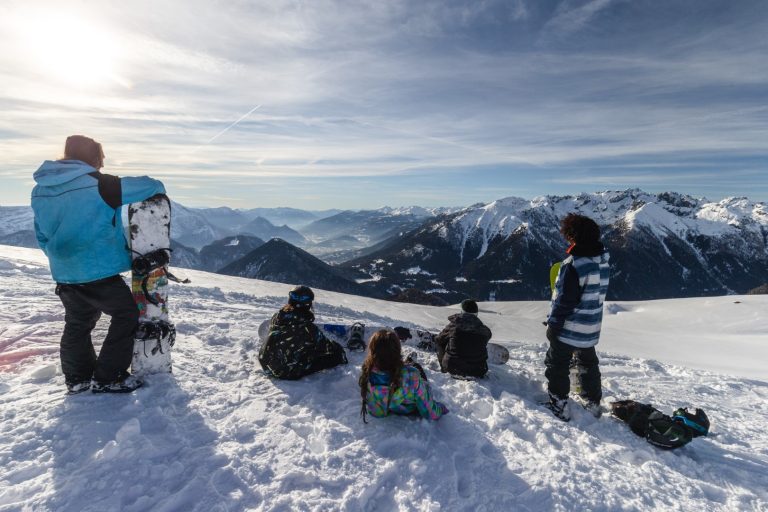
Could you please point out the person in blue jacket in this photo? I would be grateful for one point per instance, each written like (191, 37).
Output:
(78, 226)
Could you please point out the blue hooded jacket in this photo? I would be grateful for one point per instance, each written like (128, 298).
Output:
(80, 233)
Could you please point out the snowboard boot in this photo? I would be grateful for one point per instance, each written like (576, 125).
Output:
(426, 341)
(591, 406)
(124, 384)
(73, 388)
(403, 333)
(356, 335)
(559, 407)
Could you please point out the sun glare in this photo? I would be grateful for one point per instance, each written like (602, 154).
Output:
(69, 48)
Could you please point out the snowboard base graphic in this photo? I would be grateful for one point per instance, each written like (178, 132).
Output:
(420, 338)
(149, 225)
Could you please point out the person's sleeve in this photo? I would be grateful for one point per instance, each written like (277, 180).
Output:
(442, 338)
(375, 402)
(139, 188)
(427, 407)
(565, 303)
(42, 240)
(485, 331)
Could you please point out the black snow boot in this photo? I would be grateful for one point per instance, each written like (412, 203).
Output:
(73, 388)
(125, 384)
(559, 407)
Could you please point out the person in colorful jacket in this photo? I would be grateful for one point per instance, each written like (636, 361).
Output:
(78, 226)
(390, 386)
(576, 316)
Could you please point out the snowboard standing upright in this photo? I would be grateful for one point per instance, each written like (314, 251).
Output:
(150, 236)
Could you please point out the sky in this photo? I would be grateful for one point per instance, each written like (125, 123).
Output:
(361, 104)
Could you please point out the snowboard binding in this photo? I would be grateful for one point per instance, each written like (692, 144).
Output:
(158, 331)
(426, 341)
(356, 335)
(146, 263)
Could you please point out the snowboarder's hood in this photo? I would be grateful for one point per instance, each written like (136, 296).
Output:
(468, 321)
(284, 317)
(56, 172)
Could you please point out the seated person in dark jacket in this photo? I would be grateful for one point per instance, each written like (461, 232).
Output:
(295, 346)
(462, 345)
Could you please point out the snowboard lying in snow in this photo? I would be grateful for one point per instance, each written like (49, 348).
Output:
(419, 338)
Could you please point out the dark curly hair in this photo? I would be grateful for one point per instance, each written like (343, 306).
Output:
(580, 229)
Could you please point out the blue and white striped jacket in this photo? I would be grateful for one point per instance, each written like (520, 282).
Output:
(577, 303)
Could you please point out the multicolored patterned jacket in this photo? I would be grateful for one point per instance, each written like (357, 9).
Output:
(413, 397)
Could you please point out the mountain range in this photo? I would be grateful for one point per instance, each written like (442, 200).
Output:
(662, 245)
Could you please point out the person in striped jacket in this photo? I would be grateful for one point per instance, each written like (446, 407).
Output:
(576, 316)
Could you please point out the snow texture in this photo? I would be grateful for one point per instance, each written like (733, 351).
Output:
(218, 435)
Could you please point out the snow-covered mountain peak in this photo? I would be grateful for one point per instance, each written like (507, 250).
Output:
(670, 211)
(416, 211)
(737, 211)
(657, 218)
(499, 217)
(507, 203)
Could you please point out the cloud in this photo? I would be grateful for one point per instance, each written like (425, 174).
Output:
(570, 18)
(398, 89)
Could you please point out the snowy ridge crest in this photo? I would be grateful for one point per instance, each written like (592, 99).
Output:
(662, 213)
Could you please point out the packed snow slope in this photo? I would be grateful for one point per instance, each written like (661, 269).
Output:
(218, 435)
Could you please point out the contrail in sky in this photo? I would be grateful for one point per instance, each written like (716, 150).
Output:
(225, 130)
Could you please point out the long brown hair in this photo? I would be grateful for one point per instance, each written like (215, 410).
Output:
(85, 149)
(384, 354)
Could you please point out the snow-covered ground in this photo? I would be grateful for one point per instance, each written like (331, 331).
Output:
(218, 435)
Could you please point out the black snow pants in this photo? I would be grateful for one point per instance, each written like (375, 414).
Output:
(83, 305)
(558, 361)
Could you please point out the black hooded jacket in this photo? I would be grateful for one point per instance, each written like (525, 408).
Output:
(462, 345)
(296, 347)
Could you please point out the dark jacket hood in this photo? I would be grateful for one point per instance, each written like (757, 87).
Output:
(466, 321)
(297, 315)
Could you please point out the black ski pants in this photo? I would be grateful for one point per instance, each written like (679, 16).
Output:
(83, 305)
(558, 362)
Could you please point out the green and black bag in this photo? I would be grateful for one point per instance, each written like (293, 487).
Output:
(666, 432)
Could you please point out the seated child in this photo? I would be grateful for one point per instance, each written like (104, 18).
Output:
(389, 385)
(295, 346)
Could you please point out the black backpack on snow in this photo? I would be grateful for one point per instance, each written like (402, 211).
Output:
(666, 432)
